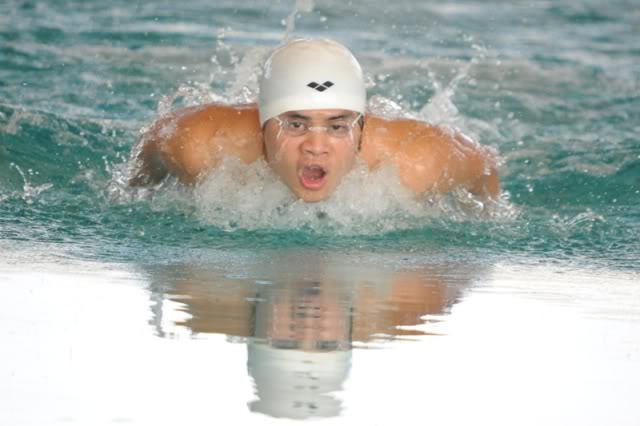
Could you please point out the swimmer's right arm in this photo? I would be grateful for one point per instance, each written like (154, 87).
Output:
(189, 143)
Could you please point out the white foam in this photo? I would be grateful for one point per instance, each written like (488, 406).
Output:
(251, 197)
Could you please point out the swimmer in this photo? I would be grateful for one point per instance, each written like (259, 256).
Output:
(311, 127)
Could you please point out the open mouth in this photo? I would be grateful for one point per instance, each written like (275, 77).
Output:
(313, 176)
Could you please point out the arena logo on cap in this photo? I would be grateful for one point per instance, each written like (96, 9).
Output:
(320, 87)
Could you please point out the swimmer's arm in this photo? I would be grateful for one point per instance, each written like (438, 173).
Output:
(175, 145)
(475, 166)
(457, 161)
(190, 143)
(148, 166)
(430, 159)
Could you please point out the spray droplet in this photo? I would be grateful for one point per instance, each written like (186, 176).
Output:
(305, 6)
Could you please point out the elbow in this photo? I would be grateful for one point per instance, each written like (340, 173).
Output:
(487, 185)
(147, 166)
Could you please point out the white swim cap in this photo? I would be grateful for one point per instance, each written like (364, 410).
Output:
(311, 74)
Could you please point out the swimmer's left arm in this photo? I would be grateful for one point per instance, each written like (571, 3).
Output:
(474, 166)
(430, 159)
(434, 160)
(463, 162)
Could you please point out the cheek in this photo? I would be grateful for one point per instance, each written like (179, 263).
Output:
(281, 158)
(281, 153)
(347, 154)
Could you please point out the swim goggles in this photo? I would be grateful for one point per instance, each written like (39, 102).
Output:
(338, 128)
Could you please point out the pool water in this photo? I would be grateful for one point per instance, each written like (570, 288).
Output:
(235, 303)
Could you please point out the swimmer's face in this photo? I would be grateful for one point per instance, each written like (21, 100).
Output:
(312, 150)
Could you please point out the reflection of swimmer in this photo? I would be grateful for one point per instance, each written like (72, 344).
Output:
(381, 303)
(299, 332)
(301, 352)
(310, 125)
(295, 383)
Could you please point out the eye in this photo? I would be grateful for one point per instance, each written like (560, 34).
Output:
(297, 125)
(339, 128)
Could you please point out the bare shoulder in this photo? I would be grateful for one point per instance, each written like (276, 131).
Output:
(429, 158)
(384, 138)
(190, 142)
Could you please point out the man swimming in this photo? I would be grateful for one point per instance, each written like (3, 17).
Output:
(311, 127)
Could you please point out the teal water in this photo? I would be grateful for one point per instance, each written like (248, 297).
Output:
(554, 88)
(88, 265)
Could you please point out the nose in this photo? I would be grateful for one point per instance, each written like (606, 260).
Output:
(315, 143)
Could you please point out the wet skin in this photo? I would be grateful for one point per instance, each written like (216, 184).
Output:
(312, 165)
(189, 143)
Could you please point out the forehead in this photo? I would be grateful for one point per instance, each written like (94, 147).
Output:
(321, 114)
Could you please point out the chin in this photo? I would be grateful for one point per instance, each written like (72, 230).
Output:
(313, 196)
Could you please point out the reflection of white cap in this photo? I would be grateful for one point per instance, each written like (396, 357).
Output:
(311, 74)
(297, 384)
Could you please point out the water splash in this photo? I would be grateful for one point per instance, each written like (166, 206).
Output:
(187, 95)
(240, 71)
(251, 197)
(301, 6)
(440, 109)
(29, 191)
(384, 107)
(582, 222)
(244, 86)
